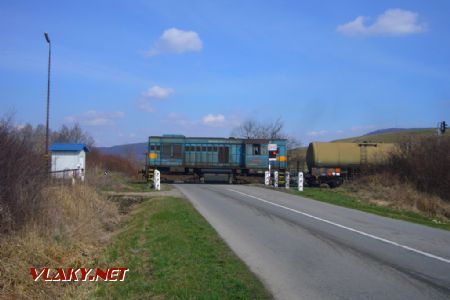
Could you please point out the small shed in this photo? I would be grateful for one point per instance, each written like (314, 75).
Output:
(68, 157)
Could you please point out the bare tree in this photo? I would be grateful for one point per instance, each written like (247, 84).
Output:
(248, 129)
(35, 137)
(73, 134)
(252, 129)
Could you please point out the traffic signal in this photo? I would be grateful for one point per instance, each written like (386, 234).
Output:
(443, 127)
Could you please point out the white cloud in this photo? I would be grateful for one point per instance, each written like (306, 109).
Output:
(317, 133)
(153, 93)
(94, 118)
(211, 119)
(174, 40)
(145, 106)
(393, 21)
(158, 92)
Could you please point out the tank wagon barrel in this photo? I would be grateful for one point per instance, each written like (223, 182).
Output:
(346, 154)
(330, 162)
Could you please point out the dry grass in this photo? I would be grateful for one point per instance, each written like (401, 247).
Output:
(73, 226)
(388, 190)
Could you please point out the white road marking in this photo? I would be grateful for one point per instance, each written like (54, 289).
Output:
(349, 228)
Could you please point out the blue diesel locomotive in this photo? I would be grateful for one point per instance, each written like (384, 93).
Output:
(177, 154)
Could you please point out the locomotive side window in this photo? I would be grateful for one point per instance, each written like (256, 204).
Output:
(264, 150)
(256, 149)
(154, 147)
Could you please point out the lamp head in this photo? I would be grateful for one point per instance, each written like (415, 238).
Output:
(47, 37)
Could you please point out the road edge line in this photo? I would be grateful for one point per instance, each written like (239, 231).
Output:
(349, 228)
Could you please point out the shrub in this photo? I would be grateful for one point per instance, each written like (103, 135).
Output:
(108, 162)
(424, 162)
(22, 178)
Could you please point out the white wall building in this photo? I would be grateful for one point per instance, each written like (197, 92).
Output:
(68, 157)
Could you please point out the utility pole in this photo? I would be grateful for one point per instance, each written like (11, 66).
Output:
(47, 161)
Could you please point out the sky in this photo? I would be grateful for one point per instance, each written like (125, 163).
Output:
(125, 70)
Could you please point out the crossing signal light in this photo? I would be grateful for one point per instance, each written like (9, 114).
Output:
(273, 154)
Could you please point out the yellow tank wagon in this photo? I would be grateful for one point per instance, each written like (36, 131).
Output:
(330, 162)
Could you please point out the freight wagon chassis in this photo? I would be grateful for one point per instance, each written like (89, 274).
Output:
(231, 174)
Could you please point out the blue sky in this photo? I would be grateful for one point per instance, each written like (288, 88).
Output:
(125, 70)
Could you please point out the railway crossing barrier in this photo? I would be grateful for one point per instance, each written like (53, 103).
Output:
(300, 181)
(288, 179)
(157, 180)
(275, 179)
(267, 178)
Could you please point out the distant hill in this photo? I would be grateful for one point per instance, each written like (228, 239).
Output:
(391, 130)
(390, 135)
(137, 150)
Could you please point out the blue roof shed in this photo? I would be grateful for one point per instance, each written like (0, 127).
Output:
(69, 147)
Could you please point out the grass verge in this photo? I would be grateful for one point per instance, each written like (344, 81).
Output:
(342, 199)
(117, 182)
(173, 253)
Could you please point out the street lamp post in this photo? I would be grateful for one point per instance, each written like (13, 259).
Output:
(47, 38)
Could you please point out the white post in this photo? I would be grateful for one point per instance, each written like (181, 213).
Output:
(157, 180)
(288, 179)
(267, 178)
(275, 179)
(300, 181)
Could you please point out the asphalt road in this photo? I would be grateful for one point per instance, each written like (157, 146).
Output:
(305, 249)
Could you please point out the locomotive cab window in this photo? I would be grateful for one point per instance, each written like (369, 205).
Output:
(256, 149)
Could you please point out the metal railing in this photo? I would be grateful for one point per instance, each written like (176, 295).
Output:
(66, 174)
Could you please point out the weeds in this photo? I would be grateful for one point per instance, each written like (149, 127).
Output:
(389, 190)
(74, 225)
(425, 163)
